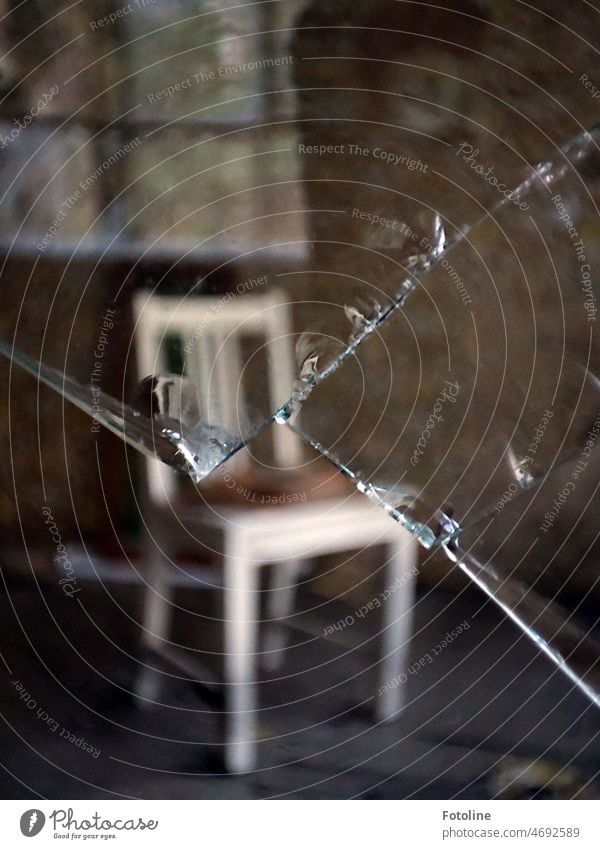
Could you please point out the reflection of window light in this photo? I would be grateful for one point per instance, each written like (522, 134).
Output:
(222, 211)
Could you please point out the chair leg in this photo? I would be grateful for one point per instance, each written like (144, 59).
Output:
(241, 629)
(156, 620)
(400, 587)
(280, 605)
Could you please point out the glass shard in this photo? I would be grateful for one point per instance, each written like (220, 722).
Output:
(227, 217)
(451, 404)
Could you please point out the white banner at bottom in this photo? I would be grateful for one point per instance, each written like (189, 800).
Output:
(296, 824)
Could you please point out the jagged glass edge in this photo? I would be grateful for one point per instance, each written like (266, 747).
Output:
(544, 621)
(537, 615)
(508, 593)
(176, 449)
(168, 445)
(446, 527)
(540, 619)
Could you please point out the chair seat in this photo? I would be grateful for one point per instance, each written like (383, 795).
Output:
(263, 487)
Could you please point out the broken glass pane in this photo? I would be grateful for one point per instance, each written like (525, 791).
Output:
(482, 379)
(471, 413)
(235, 205)
(232, 216)
(536, 556)
(236, 209)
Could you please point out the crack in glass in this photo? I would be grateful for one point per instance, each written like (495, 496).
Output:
(420, 324)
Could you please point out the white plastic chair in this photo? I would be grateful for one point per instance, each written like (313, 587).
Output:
(285, 536)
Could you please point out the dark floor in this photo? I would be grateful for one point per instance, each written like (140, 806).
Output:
(486, 708)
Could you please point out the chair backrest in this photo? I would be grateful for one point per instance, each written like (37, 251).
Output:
(208, 333)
